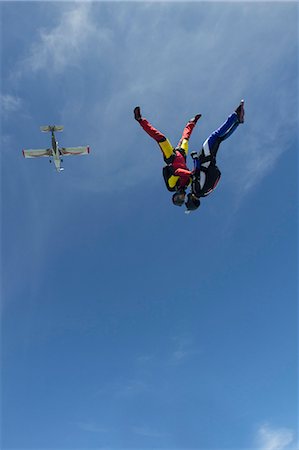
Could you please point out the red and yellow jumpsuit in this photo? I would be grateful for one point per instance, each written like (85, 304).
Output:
(180, 176)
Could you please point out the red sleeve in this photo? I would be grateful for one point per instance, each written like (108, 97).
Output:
(182, 172)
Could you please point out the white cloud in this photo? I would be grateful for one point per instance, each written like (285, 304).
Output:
(63, 45)
(141, 70)
(256, 147)
(10, 103)
(275, 439)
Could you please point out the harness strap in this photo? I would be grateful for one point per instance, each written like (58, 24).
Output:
(170, 159)
(205, 158)
(203, 169)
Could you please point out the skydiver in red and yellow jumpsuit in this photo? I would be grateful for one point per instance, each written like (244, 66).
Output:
(177, 175)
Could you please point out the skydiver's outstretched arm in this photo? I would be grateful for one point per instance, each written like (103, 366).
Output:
(151, 130)
(183, 142)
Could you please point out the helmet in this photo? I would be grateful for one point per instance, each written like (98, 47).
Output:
(192, 202)
(178, 198)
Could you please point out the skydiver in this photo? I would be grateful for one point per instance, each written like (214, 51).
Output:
(205, 176)
(177, 175)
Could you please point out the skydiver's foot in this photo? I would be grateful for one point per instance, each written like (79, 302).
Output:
(195, 119)
(137, 113)
(240, 112)
(194, 155)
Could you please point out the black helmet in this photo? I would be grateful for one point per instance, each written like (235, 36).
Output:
(178, 198)
(192, 202)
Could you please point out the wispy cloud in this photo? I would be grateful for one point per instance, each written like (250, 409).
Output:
(180, 349)
(63, 45)
(275, 438)
(133, 387)
(10, 104)
(141, 70)
(92, 427)
(154, 76)
(184, 349)
(127, 388)
(149, 432)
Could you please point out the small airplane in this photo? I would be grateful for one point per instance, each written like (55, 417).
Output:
(55, 152)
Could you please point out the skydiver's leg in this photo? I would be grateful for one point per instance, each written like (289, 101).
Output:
(211, 145)
(163, 142)
(225, 130)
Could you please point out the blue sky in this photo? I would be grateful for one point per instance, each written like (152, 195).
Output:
(125, 322)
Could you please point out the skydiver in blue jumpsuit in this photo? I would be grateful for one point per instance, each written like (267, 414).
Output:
(206, 173)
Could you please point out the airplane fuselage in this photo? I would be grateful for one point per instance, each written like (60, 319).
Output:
(56, 153)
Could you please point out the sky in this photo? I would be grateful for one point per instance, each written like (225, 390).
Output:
(125, 323)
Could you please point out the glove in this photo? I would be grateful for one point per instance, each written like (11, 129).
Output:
(195, 119)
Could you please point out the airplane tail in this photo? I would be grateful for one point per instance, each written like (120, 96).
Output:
(47, 128)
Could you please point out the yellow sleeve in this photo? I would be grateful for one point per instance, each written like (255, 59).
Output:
(172, 181)
(185, 145)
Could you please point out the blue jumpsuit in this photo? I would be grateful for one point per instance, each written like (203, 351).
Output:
(210, 148)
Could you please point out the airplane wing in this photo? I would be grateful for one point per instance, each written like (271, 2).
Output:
(74, 150)
(46, 128)
(37, 153)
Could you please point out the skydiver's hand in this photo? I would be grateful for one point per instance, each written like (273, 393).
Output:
(137, 113)
(196, 118)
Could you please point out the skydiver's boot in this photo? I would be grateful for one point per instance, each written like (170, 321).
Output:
(240, 112)
(137, 113)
